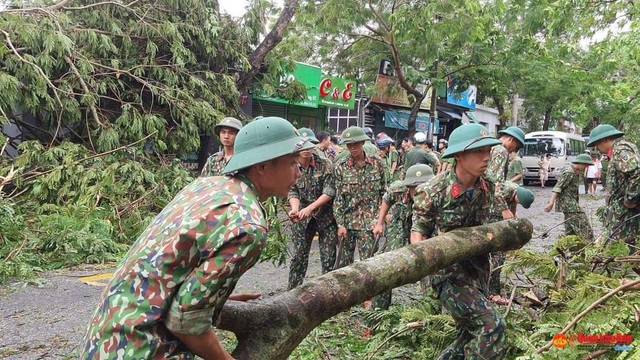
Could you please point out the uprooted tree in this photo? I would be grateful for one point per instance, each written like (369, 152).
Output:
(273, 328)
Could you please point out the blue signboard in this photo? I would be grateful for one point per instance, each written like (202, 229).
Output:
(400, 120)
(465, 99)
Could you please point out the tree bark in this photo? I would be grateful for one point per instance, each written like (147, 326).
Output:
(272, 329)
(547, 119)
(269, 43)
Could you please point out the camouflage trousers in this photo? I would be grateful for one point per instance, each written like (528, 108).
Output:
(622, 224)
(480, 327)
(397, 236)
(302, 234)
(497, 260)
(577, 223)
(367, 246)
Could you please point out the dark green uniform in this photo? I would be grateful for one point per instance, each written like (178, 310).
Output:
(440, 206)
(314, 182)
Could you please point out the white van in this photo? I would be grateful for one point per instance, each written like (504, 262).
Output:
(563, 147)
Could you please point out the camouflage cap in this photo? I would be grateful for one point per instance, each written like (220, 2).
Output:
(353, 134)
(265, 139)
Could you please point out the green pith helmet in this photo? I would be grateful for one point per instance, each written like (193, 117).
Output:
(229, 122)
(467, 137)
(353, 134)
(602, 132)
(265, 139)
(417, 174)
(525, 197)
(515, 132)
(583, 159)
(307, 133)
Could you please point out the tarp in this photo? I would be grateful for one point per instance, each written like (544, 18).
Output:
(452, 113)
(399, 119)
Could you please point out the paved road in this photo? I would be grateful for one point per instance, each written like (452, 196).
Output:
(46, 319)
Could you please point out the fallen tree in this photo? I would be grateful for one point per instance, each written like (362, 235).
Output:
(272, 329)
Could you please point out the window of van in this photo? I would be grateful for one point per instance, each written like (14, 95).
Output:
(543, 146)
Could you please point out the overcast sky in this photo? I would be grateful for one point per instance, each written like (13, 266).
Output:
(233, 7)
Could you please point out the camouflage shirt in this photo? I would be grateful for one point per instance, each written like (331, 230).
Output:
(623, 173)
(418, 155)
(359, 190)
(215, 165)
(441, 205)
(567, 188)
(179, 273)
(399, 201)
(498, 164)
(315, 181)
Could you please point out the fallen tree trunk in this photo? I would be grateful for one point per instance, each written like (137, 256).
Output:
(272, 329)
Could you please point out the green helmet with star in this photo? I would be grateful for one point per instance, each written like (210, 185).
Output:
(353, 134)
(308, 134)
(229, 122)
(602, 132)
(582, 159)
(514, 132)
(265, 139)
(467, 137)
(417, 174)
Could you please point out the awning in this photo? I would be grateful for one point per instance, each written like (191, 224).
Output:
(472, 116)
(452, 113)
(399, 119)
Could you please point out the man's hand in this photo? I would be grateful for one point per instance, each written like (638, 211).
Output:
(377, 230)
(305, 213)
(629, 205)
(342, 232)
(507, 214)
(548, 207)
(244, 297)
(294, 215)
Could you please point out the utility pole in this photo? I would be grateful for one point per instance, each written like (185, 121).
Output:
(433, 111)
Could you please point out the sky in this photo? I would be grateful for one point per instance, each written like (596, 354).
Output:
(233, 7)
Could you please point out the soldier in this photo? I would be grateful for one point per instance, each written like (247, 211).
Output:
(389, 158)
(462, 197)
(513, 194)
(565, 195)
(227, 129)
(369, 148)
(359, 184)
(174, 281)
(622, 213)
(324, 145)
(515, 171)
(511, 140)
(421, 154)
(312, 212)
(398, 198)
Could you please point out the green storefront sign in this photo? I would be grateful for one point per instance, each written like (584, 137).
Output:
(337, 92)
(329, 91)
(306, 74)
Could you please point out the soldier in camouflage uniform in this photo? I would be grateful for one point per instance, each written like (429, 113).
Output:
(463, 197)
(622, 211)
(227, 129)
(511, 140)
(359, 184)
(175, 279)
(565, 195)
(399, 199)
(369, 148)
(421, 154)
(312, 212)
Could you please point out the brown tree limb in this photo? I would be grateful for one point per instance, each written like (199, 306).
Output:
(575, 320)
(271, 329)
(85, 88)
(268, 43)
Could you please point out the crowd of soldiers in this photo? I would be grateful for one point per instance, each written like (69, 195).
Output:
(369, 196)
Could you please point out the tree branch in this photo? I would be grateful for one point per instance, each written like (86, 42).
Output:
(587, 310)
(94, 111)
(268, 43)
